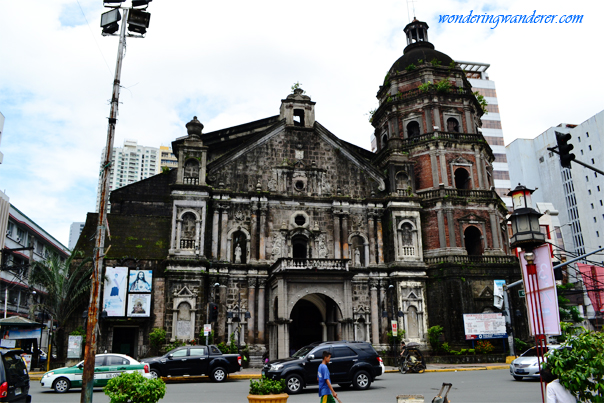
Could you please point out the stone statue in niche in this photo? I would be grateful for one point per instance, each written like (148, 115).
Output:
(191, 169)
(238, 254)
(183, 321)
(322, 247)
(357, 257)
(276, 254)
(272, 185)
(188, 226)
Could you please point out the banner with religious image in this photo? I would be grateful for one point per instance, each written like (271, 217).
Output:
(139, 305)
(116, 282)
(140, 280)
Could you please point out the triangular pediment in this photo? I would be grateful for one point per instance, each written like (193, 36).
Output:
(184, 292)
(461, 161)
(487, 292)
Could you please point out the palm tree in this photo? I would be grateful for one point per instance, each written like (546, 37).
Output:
(67, 284)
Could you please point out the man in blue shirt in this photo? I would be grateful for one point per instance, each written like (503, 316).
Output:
(326, 392)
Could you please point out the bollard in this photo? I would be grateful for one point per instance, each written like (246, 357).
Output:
(410, 399)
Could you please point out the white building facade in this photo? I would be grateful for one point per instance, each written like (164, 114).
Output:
(130, 163)
(75, 229)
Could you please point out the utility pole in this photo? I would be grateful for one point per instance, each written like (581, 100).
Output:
(95, 290)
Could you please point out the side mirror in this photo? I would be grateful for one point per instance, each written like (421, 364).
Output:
(310, 357)
(170, 356)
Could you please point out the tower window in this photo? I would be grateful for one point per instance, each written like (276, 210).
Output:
(452, 125)
(299, 117)
(412, 129)
(473, 241)
(462, 178)
(300, 220)
(384, 140)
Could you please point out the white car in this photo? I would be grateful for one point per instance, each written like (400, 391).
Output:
(106, 366)
(527, 366)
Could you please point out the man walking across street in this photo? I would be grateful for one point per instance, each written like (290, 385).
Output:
(326, 392)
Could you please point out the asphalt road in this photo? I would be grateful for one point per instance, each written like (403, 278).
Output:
(494, 386)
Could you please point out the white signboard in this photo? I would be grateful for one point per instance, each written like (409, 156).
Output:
(116, 282)
(207, 329)
(498, 293)
(484, 326)
(74, 347)
(547, 291)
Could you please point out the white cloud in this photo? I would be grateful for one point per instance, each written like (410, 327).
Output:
(232, 62)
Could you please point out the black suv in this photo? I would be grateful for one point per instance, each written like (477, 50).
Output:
(352, 363)
(14, 379)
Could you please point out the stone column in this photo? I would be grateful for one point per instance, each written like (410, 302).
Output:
(479, 163)
(345, 253)
(215, 233)
(494, 232)
(224, 232)
(222, 308)
(178, 232)
(251, 305)
(434, 168)
(371, 239)
(262, 251)
(441, 229)
(469, 122)
(380, 240)
(336, 235)
(254, 232)
(374, 312)
(443, 168)
(452, 240)
(261, 299)
(383, 307)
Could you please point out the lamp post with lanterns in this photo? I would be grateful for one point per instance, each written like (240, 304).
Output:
(526, 234)
(138, 21)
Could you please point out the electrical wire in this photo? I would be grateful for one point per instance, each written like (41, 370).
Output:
(93, 37)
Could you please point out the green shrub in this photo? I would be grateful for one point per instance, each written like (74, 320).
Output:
(410, 67)
(202, 338)
(265, 386)
(157, 338)
(580, 368)
(396, 340)
(484, 347)
(519, 346)
(135, 388)
(434, 334)
(471, 351)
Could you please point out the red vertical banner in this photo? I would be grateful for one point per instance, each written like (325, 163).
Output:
(593, 277)
(547, 307)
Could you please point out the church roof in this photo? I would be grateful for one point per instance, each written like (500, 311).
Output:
(420, 51)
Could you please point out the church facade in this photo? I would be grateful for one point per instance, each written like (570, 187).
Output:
(299, 236)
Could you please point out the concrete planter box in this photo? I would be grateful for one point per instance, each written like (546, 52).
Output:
(466, 359)
(280, 398)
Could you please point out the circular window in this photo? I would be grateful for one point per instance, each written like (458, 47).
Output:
(299, 185)
(300, 220)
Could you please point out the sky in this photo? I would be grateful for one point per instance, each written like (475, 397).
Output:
(232, 62)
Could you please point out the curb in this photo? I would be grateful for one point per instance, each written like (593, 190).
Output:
(458, 369)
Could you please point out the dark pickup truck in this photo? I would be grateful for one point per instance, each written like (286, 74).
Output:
(195, 360)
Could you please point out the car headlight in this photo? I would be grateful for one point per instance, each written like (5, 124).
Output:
(276, 367)
(48, 374)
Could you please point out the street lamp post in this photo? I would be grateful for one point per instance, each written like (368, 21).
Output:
(526, 234)
(109, 22)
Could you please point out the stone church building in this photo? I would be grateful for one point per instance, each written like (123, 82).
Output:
(299, 236)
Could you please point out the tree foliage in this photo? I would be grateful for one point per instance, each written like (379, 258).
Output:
(434, 334)
(135, 388)
(580, 365)
(67, 286)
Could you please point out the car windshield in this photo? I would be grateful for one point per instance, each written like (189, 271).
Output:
(302, 352)
(532, 352)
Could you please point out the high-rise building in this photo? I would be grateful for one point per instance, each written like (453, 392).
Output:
(578, 192)
(168, 159)
(130, 163)
(491, 125)
(75, 229)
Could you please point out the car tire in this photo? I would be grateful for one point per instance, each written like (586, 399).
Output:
(218, 374)
(61, 385)
(155, 374)
(518, 378)
(361, 380)
(293, 384)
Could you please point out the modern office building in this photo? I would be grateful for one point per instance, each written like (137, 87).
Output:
(130, 163)
(578, 192)
(75, 229)
(491, 125)
(168, 159)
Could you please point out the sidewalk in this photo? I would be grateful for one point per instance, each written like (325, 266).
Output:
(254, 373)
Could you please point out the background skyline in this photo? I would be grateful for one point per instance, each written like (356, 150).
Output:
(232, 63)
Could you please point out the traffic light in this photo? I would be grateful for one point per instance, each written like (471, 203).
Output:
(213, 314)
(564, 149)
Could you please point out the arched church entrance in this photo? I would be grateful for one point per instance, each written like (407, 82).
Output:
(315, 317)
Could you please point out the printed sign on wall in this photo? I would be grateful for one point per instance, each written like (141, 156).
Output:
(139, 305)
(114, 300)
(140, 280)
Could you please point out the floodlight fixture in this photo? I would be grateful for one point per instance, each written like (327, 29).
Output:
(109, 21)
(138, 21)
(112, 3)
